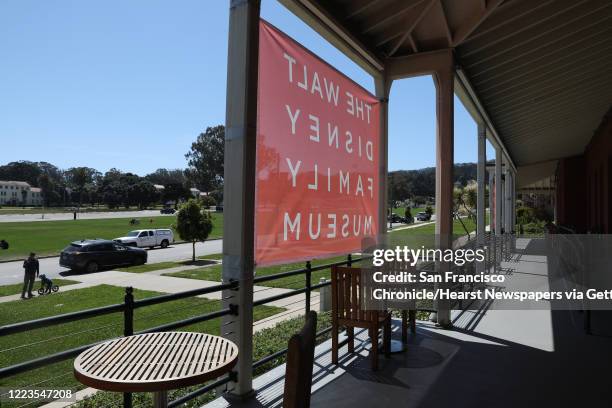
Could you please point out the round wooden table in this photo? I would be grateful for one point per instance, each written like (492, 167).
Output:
(155, 362)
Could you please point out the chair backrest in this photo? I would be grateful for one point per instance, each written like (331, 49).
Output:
(300, 361)
(347, 295)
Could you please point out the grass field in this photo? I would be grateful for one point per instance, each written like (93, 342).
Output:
(37, 343)
(203, 260)
(50, 237)
(8, 290)
(213, 273)
(402, 210)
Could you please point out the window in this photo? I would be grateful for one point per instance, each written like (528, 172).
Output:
(151, 233)
(143, 234)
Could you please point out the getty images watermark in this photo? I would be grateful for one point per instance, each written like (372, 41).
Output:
(507, 272)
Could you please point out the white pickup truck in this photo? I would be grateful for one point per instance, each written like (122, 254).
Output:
(147, 238)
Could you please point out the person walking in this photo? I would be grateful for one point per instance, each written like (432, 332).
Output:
(31, 270)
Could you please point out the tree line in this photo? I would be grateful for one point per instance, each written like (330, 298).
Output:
(420, 185)
(115, 188)
(204, 171)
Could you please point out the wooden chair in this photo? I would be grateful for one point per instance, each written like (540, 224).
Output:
(300, 360)
(348, 312)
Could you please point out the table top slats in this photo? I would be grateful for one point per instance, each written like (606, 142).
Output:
(111, 368)
(172, 355)
(94, 354)
(189, 359)
(117, 352)
(143, 355)
(161, 357)
(155, 361)
(178, 365)
(104, 350)
(199, 366)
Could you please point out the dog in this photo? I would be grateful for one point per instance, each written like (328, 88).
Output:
(46, 283)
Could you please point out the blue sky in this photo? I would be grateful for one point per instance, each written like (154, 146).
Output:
(131, 84)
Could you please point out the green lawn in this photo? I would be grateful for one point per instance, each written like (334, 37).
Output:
(37, 343)
(213, 273)
(425, 235)
(50, 237)
(402, 210)
(8, 290)
(203, 260)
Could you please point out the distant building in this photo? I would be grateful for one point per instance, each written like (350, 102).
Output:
(19, 193)
(195, 192)
(159, 187)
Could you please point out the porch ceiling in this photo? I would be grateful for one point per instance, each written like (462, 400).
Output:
(540, 69)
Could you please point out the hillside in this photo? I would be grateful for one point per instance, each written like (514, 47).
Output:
(404, 184)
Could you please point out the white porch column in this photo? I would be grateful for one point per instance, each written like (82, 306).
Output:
(498, 190)
(239, 186)
(491, 200)
(480, 194)
(444, 80)
(383, 88)
(508, 200)
(480, 178)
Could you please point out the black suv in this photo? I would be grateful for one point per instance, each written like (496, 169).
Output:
(90, 255)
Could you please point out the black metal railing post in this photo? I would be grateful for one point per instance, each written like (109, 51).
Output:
(349, 260)
(308, 285)
(128, 330)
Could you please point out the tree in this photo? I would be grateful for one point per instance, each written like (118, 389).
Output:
(208, 201)
(20, 171)
(143, 194)
(193, 224)
(47, 188)
(79, 177)
(408, 215)
(205, 159)
(175, 192)
(167, 176)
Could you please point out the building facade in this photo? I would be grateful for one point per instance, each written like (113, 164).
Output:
(19, 193)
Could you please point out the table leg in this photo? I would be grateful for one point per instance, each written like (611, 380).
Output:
(160, 399)
(404, 326)
(412, 318)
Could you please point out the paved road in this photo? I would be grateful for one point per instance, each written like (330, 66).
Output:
(12, 272)
(81, 216)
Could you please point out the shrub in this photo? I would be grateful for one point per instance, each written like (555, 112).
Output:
(429, 210)
(208, 201)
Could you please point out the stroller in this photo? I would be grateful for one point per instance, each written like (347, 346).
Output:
(46, 286)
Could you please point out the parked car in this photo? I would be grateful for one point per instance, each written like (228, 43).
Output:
(167, 211)
(147, 238)
(91, 255)
(423, 216)
(397, 218)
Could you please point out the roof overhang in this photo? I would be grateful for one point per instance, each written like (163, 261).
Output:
(537, 73)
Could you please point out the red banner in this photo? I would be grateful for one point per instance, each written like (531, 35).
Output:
(318, 132)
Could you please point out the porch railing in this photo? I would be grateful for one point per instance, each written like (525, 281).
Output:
(129, 305)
